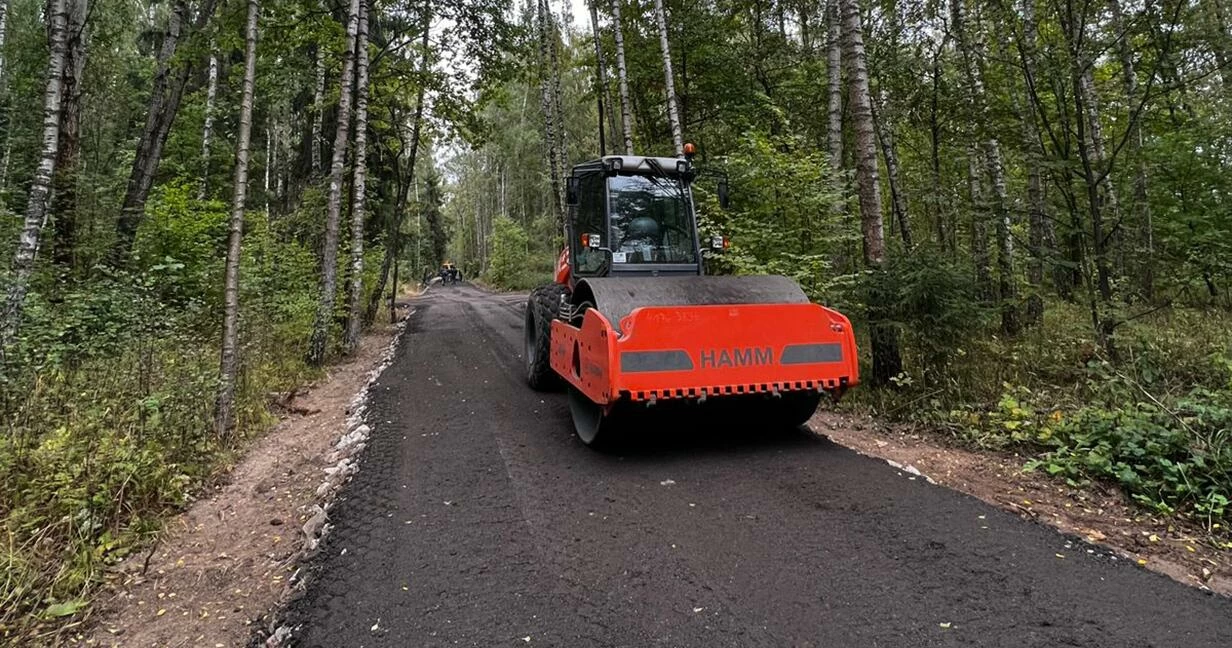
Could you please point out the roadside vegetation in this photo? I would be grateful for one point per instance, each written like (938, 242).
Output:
(196, 228)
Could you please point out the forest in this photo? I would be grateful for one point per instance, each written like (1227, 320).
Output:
(1022, 204)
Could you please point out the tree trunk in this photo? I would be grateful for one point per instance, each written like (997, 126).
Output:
(834, 78)
(600, 75)
(673, 115)
(355, 291)
(887, 362)
(319, 343)
(1103, 320)
(64, 184)
(626, 114)
(224, 407)
(40, 185)
(207, 130)
(170, 77)
(1140, 205)
(971, 44)
(1037, 221)
(898, 198)
(4, 23)
(318, 109)
(549, 118)
(980, 254)
(406, 179)
(557, 102)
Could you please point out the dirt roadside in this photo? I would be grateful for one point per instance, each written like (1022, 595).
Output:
(1103, 517)
(223, 564)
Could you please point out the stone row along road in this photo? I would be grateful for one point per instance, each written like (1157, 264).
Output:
(478, 519)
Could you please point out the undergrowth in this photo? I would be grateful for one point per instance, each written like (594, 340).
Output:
(1156, 421)
(107, 400)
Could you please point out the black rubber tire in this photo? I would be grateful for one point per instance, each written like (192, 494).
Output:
(541, 307)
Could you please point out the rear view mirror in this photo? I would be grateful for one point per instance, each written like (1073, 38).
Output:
(571, 190)
(724, 198)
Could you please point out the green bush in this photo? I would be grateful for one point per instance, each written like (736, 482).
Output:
(106, 398)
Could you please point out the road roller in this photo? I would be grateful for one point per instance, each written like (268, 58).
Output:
(632, 326)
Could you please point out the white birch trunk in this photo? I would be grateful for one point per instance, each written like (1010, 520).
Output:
(207, 129)
(350, 341)
(224, 409)
(834, 78)
(317, 346)
(626, 112)
(673, 115)
(318, 108)
(40, 185)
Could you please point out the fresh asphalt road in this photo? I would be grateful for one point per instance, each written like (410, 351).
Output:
(477, 519)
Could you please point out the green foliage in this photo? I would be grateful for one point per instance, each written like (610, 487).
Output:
(508, 265)
(108, 395)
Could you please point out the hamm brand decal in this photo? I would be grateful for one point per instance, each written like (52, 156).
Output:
(736, 357)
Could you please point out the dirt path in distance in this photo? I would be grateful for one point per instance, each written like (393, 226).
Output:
(224, 563)
(1099, 515)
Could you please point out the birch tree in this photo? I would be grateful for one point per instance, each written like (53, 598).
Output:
(600, 74)
(319, 342)
(626, 113)
(673, 114)
(834, 84)
(887, 362)
(970, 40)
(550, 117)
(68, 157)
(170, 78)
(355, 289)
(224, 407)
(40, 185)
(207, 129)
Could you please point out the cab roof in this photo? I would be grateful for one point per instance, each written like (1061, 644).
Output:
(635, 164)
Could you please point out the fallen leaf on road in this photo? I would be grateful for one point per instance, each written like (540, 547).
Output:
(944, 626)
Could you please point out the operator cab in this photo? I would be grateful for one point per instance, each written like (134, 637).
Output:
(633, 216)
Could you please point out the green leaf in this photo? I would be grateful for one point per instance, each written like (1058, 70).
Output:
(67, 608)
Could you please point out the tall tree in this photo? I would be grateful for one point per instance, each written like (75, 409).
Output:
(889, 151)
(319, 343)
(355, 288)
(551, 120)
(834, 78)
(404, 172)
(170, 78)
(626, 113)
(1140, 204)
(40, 185)
(887, 361)
(318, 107)
(207, 128)
(669, 84)
(600, 74)
(68, 159)
(224, 405)
(969, 37)
(1037, 222)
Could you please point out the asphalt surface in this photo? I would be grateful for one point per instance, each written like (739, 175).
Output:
(477, 519)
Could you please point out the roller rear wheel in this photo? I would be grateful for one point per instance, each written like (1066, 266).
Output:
(592, 422)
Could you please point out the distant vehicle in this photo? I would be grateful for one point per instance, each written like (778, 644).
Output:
(449, 273)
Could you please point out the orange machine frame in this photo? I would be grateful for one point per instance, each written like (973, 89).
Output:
(697, 352)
